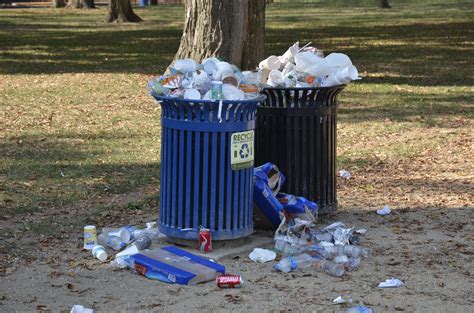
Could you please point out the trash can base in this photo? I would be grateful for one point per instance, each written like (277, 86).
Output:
(192, 234)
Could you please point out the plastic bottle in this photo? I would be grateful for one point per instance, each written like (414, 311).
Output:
(142, 242)
(350, 251)
(352, 265)
(291, 263)
(99, 252)
(330, 268)
(360, 309)
(113, 242)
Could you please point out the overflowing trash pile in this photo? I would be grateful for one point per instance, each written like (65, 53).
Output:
(214, 79)
(307, 67)
(332, 249)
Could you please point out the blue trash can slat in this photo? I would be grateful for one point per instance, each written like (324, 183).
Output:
(199, 186)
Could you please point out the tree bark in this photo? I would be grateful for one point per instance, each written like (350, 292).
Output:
(121, 11)
(230, 29)
(383, 4)
(80, 4)
(58, 4)
(153, 2)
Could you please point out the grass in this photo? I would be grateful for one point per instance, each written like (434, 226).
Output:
(79, 125)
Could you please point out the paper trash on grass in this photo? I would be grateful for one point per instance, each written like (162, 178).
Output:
(385, 211)
(342, 300)
(262, 255)
(391, 283)
(361, 231)
(345, 174)
(77, 308)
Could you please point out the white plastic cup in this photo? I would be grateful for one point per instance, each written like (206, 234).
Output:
(275, 78)
(231, 92)
(289, 55)
(122, 233)
(90, 237)
(221, 68)
(99, 253)
(201, 81)
(209, 65)
(229, 78)
(341, 76)
(192, 94)
(270, 63)
(338, 59)
(185, 65)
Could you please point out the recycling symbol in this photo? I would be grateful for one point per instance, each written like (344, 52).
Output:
(244, 151)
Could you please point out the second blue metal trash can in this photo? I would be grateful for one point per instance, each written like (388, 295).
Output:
(207, 151)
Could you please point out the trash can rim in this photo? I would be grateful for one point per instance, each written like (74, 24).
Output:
(260, 98)
(303, 88)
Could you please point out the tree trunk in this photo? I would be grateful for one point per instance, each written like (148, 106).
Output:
(153, 2)
(58, 4)
(80, 4)
(121, 11)
(383, 4)
(230, 29)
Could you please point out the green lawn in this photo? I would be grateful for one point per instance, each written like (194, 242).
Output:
(78, 123)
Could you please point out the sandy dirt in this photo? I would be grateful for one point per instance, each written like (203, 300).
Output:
(429, 249)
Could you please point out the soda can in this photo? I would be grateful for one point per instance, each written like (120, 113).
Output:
(90, 237)
(204, 239)
(229, 281)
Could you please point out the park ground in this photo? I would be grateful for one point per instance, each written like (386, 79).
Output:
(80, 142)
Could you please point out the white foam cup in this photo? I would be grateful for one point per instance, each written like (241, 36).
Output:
(270, 63)
(122, 233)
(338, 59)
(185, 65)
(192, 94)
(275, 78)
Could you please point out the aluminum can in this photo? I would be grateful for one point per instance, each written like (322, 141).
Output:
(204, 240)
(229, 281)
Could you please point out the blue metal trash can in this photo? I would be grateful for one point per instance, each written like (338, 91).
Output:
(143, 3)
(207, 151)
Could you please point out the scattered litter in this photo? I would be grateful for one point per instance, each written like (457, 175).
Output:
(175, 266)
(99, 252)
(391, 283)
(229, 281)
(90, 237)
(342, 300)
(384, 211)
(77, 308)
(360, 309)
(361, 231)
(262, 255)
(204, 240)
(345, 174)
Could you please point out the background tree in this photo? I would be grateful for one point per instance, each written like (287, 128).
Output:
(384, 4)
(231, 29)
(153, 2)
(121, 11)
(58, 4)
(80, 4)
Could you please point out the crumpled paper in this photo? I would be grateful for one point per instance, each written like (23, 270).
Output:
(384, 211)
(262, 255)
(345, 174)
(391, 283)
(342, 300)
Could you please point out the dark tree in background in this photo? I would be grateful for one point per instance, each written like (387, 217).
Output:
(80, 4)
(231, 29)
(58, 4)
(384, 4)
(121, 11)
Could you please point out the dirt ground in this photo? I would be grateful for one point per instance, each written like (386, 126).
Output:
(429, 249)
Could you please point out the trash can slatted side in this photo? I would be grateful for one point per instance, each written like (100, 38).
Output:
(304, 120)
(199, 186)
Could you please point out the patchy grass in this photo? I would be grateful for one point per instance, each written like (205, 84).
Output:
(79, 125)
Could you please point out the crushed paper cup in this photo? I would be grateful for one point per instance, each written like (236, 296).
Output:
(384, 211)
(345, 174)
(391, 283)
(361, 231)
(342, 300)
(262, 255)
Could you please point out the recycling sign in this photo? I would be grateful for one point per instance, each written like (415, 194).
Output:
(241, 150)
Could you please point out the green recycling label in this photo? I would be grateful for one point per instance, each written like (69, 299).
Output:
(241, 150)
